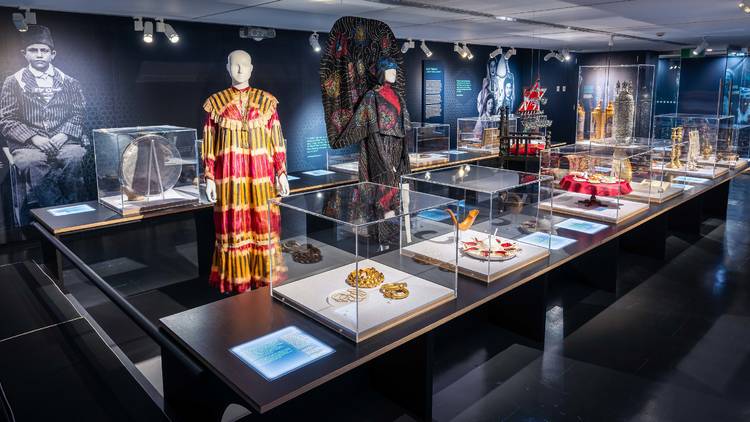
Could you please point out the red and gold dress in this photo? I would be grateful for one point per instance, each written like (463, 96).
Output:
(244, 152)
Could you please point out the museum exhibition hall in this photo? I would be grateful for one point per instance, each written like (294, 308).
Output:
(375, 210)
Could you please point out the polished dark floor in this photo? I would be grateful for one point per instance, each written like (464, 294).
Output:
(672, 344)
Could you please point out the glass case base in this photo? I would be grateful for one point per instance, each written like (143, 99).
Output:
(709, 172)
(733, 164)
(440, 251)
(371, 315)
(350, 167)
(569, 203)
(657, 192)
(427, 159)
(171, 198)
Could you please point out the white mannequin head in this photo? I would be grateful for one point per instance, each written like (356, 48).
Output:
(390, 75)
(240, 67)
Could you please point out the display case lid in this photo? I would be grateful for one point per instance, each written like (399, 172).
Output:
(362, 203)
(478, 178)
(138, 129)
(692, 116)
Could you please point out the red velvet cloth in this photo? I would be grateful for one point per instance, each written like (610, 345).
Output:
(520, 149)
(598, 189)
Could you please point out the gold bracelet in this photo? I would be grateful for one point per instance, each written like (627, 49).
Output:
(366, 278)
(394, 291)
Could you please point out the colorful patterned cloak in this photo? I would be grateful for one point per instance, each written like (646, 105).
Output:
(244, 152)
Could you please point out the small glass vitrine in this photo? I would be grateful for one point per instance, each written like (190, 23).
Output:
(597, 182)
(345, 256)
(481, 134)
(142, 169)
(712, 136)
(429, 144)
(502, 228)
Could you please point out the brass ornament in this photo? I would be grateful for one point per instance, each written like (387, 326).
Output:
(369, 278)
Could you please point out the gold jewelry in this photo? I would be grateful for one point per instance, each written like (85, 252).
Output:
(348, 295)
(394, 291)
(366, 278)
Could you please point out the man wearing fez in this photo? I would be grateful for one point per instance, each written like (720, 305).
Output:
(41, 122)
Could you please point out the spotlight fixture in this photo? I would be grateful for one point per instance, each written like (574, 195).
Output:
(611, 42)
(549, 55)
(505, 18)
(314, 42)
(496, 52)
(700, 48)
(148, 32)
(510, 53)
(745, 7)
(566, 54)
(408, 45)
(468, 55)
(138, 24)
(458, 49)
(427, 52)
(23, 20)
(167, 30)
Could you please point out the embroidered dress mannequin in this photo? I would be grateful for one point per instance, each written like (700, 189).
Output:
(244, 154)
(380, 123)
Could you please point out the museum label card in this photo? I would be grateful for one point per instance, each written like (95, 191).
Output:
(582, 226)
(290, 178)
(281, 352)
(73, 209)
(318, 172)
(543, 240)
(454, 152)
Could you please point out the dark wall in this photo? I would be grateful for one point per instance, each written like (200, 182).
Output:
(700, 84)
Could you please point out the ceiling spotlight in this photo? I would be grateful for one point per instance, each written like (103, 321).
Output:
(173, 36)
(611, 42)
(505, 18)
(148, 32)
(566, 54)
(137, 24)
(167, 30)
(314, 42)
(458, 49)
(745, 7)
(468, 55)
(427, 52)
(23, 20)
(549, 55)
(510, 53)
(700, 48)
(407, 46)
(496, 52)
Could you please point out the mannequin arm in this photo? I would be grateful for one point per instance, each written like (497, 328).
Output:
(278, 152)
(208, 153)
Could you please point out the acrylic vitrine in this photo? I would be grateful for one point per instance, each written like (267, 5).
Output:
(345, 160)
(614, 103)
(501, 226)
(596, 182)
(481, 134)
(142, 169)
(742, 144)
(428, 144)
(712, 136)
(339, 257)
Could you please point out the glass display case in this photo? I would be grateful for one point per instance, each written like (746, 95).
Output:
(614, 103)
(664, 184)
(481, 134)
(345, 160)
(428, 144)
(502, 229)
(742, 144)
(141, 169)
(344, 257)
(712, 136)
(597, 182)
